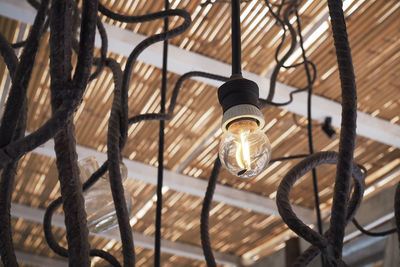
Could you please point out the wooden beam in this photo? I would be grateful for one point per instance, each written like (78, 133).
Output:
(141, 240)
(292, 251)
(189, 185)
(122, 42)
(373, 212)
(37, 260)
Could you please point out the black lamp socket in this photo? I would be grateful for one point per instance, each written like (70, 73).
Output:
(238, 91)
(327, 128)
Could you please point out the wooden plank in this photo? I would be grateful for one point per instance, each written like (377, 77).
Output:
(189, 185)
(141, 240)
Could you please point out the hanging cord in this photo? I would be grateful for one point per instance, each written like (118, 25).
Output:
(280, 63)
(397, 210)
(366, 232)
(160, 167)
(332, 245)
(205, 215)
(309, 126)
(174, 96)
(235, 39)
(358, 225)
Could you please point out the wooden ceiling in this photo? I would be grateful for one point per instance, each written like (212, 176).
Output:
(374, 32)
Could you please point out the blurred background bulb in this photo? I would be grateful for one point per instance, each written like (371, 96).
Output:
(99, 204)
(244, 149)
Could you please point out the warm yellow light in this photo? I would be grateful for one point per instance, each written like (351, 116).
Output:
(244, 149)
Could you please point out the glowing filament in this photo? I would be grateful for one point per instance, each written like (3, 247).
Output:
(243, 151)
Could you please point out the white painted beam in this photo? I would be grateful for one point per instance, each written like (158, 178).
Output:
(189, 185)
(141, 240)
(180, 61)
(37, 260)
(373, 212)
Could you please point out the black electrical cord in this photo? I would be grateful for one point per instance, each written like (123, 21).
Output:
(309, 124)
(397, 210)
(366, 232)
(235, 39)
(205, 215)
(160, 167)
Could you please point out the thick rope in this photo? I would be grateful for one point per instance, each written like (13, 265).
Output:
(348, 127)
(14, 124)
(114, 156)
(397, 210)
(161, 140)
(70, 102)
(7, 253)
(205, 215)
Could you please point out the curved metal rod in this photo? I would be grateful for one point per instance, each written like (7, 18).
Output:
(293, 175)
(174, 97)
(22, 76)
(7, 253)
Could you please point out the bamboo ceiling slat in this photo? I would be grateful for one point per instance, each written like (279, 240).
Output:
(181, 222)
(375, 48)
(374, 34)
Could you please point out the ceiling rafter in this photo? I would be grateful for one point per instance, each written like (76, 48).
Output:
(189, 185)
(40, 261)
(141, 240)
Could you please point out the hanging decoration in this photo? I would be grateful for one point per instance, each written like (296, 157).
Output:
(244, 151)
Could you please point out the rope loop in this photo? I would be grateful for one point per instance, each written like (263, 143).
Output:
(283, 193)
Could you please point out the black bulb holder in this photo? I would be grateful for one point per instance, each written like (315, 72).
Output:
(239, 100)
(327, 128)
(238, 96)
(238, 91)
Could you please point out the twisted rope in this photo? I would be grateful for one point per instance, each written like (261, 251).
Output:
(397, 210)
(161, 139)
(348, 127)
(290, 218)
(70, 101)
(14, 124)
(205, 215)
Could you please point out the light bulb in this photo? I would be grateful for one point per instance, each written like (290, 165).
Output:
(99, 205)
(244, 149)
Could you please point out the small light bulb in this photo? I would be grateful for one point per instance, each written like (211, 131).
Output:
(244, 149)
(99, 203)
